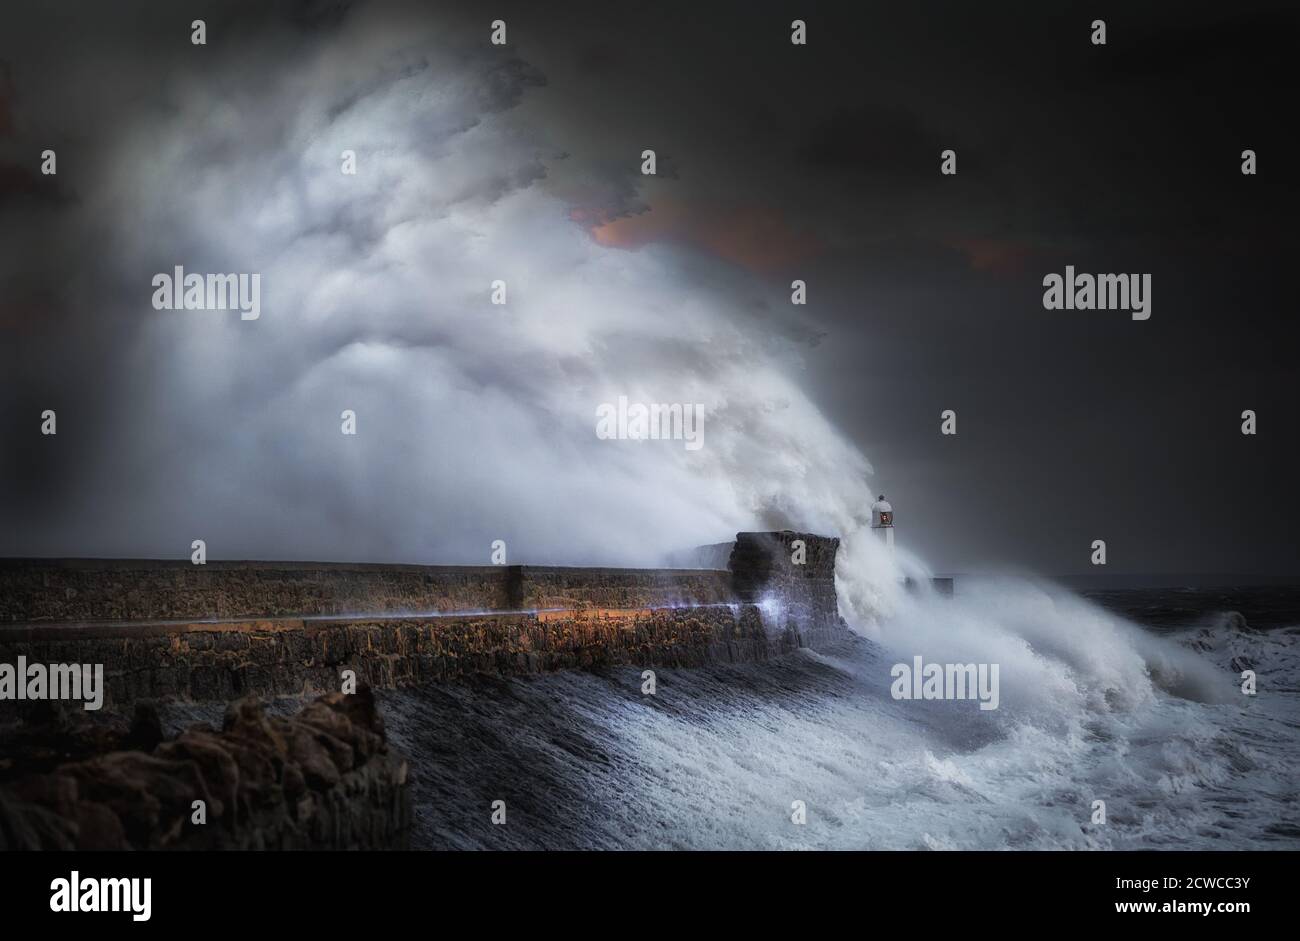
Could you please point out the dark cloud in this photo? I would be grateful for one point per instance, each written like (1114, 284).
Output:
(775, 162)
(883, 145)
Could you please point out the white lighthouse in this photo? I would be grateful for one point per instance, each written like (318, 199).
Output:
(882, 521)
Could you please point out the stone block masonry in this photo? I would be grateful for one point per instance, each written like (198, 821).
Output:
(793, 570)
(293, 657)
(70, 590)
(171, 630)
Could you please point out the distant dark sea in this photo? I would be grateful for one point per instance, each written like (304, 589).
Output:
(1263, 608)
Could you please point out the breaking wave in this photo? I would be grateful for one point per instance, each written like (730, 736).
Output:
(1093, 708)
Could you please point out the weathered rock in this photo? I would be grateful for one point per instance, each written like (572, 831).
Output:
(322, 779)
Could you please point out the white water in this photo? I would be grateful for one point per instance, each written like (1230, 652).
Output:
(716, 758)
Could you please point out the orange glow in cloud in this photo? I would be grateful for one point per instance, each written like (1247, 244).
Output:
(997, 256)
(754, 237)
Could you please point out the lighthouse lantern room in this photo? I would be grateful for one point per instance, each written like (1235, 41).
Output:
(882, 520)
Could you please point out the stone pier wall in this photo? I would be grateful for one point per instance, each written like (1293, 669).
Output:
(292, 657)
(795, 570)
(172, 630)
(35, 590)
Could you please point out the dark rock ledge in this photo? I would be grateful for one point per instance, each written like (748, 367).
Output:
(321, 779)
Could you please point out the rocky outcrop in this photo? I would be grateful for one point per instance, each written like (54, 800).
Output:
(322, 779)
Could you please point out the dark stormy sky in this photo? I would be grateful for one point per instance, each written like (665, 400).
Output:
(776, 162)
